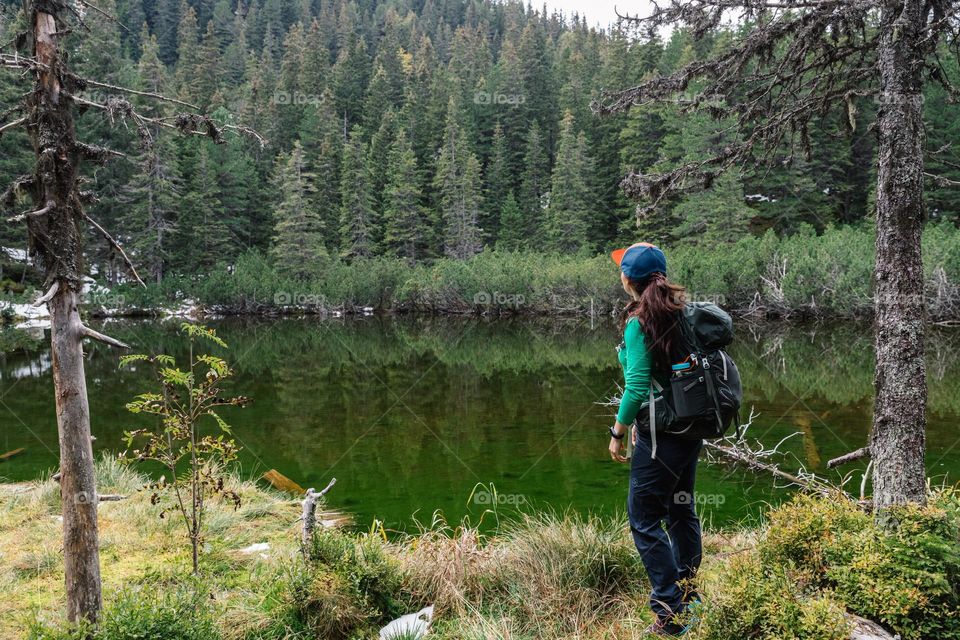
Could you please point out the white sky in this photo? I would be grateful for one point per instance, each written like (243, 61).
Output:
(597, 12)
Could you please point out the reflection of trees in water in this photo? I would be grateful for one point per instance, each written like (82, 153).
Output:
(465, 376)
(491, 397)
(835, 362)
(829, 361)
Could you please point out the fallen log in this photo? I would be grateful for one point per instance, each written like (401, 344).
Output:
(282, 482)
(10, 454)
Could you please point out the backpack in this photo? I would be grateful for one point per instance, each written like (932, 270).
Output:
(700, 397)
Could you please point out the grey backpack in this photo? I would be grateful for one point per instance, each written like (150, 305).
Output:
(700, 397)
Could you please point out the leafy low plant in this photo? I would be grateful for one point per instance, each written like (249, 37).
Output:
(195, 462)
(903, 571)
(143, 614)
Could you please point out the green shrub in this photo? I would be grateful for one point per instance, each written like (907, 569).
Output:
(904, 573)
(803, 530)
(757, 601)
(145, 613)
(826, 274)
(349, 587)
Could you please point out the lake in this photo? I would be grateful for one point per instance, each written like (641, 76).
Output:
(477, 418)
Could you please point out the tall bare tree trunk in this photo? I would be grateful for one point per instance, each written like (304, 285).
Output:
(899, 423)
(78, 490)
(56, 239)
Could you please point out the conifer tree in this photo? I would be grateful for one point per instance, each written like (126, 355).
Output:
(358, 226)
(513, 232)
(298, 247)
(203, 230)
(534, 184)
(406, 232)
(153, 200)
(188, 47)
(166, 17)
(571, 201)
(457, 183)
(498, 183)
(323, 150)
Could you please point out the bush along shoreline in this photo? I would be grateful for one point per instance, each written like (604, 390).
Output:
(816, 562)
(804, 275)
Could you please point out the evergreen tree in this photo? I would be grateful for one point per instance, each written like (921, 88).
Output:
(350, 76)
(166, 17)
(152, 198)
(571, 201)
(298, 247)
(498, 183)
(358, 224)
(534, 184)
(323, 149)
(457, 183)
(204, 237)
(513, 232)
(406, 231)
(188, 53)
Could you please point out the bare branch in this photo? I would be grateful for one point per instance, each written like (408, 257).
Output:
(48, 296)
(941, 181)
(853, 456)
(87, 332)
(11, 125)
(95, 154)
(33, 214)
(146, 94)
(106, 15)
(186, 123)
(117, 247)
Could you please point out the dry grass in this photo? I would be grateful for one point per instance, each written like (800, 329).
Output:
(137, 547)
(543, 577)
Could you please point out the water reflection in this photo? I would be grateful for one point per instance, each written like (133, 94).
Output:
(411, 414)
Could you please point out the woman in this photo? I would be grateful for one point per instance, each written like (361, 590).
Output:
(662, 472)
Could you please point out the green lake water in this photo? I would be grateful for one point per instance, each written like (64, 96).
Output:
(415, 416)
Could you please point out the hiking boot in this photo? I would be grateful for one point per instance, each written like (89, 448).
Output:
(666, 629)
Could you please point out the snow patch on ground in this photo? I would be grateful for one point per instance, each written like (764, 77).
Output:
(187, 309)
(27, 316)
(19, 255)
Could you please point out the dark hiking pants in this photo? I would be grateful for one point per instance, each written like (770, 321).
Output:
(661, 495)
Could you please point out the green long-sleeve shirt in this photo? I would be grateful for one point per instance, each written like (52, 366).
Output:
(635, 360)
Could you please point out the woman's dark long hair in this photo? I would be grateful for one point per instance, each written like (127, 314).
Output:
(657, 308)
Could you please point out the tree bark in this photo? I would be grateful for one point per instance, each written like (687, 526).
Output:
(78, 489)
(899, 423)
(56, 242)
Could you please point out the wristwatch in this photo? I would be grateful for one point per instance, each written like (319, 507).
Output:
(613, 434)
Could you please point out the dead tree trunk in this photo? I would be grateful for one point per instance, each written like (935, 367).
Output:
(899, 423)
(55, 232)
(78, 489)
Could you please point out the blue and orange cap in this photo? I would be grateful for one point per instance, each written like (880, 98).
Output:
(640, 260)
